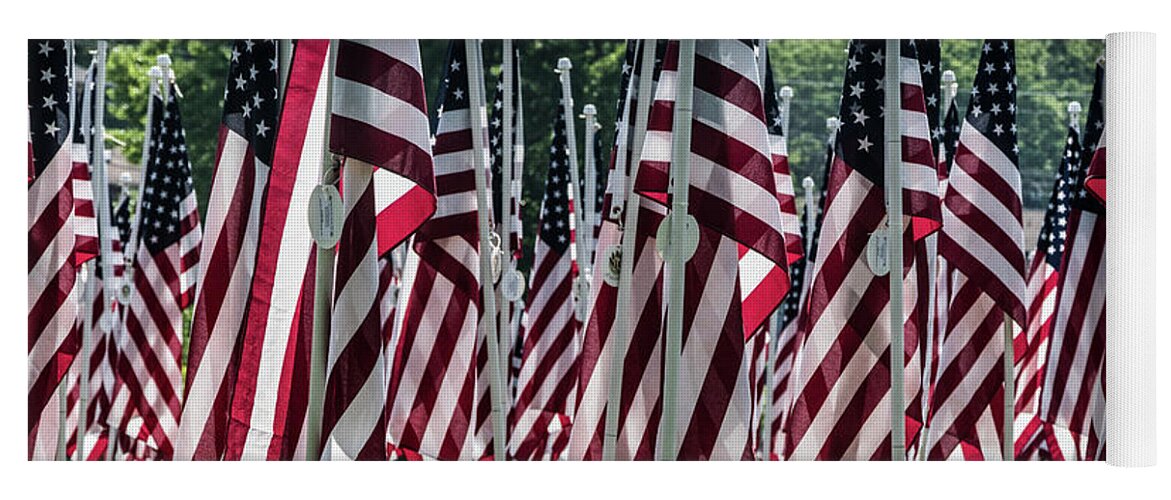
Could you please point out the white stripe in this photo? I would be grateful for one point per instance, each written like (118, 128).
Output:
(384, 112)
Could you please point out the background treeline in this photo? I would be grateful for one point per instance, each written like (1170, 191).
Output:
(1050, 73)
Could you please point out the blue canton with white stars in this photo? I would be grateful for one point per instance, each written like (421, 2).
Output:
(992, 108)
(1095, 123)
(250, 99)
(453, 92)
(555, 205)
(168, 178)
(1053, 230)
(931, 77)
(496, 133)
(48, 100)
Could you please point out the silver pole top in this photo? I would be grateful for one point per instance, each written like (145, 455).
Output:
(786, 92)
(807, 183)
(948, 77)
(949, 84)
(564, 64)
(831, 123)
(589, 109)
(1075, 109)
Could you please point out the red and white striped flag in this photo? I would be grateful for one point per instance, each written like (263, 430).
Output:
(595, 367)
(254, 317)
(163, 278)
(1073, 393)
(734, 200)
(1037, 439)
(379, 124)
(841, 376)
(540, 420)
(433, 388)
(53, 337)
(983, 242)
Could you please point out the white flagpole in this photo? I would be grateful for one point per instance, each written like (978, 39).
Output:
(589, 196)
(948, 88)
(682, 235)
(894, 209)
(322, 291)
(505, 228)
(622, 329)
(63, 386)
(483, 212)
(564, 68)
(765, 430)
(101, 198)
(516, 186)
(156, 86)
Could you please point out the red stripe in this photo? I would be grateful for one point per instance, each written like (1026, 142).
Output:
(732, 87)
(355, 139)
(379, 70)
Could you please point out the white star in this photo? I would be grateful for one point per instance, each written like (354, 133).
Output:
(455, 65)
(864, 144)
(256, 100)
(928, 67)
(459, 94)
(998, 129)
(240, 81)
(247, 110)
(1004, 45)
(44, 48)
(877, 57)
(47, 76)
(995, 109)
(252, 72)
(261, 129)
(249, 44)
(860, 117)
(625, 68)
(853, 63)
(989, 68)
(52, 128)
(856, 90)
(49, 101)
(993, 88)
(932, 100)
(273, 66)
(1007, 66)
(987, 48)
(235, 55)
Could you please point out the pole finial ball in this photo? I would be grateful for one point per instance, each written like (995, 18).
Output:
(163, 60)
(807, 183)
(589, 109)
(564, 64)
(1075, 107)
(786, 92)
(831, 123)
(948, 76)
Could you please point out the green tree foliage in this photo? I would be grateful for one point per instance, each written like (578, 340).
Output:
(1050, 72)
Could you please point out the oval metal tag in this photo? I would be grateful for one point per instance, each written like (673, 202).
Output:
(677, 228)
(512, 286)
(878, 253)
(326, 215)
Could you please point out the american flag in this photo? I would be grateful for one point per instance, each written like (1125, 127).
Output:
(548, 375)
(1073, 393)
(379, 123)
(983, 241)
(433, 385)
(763, 350)
(841, 378)
(164, 271)
(928, 51)
(1031, 344)
(595, 367)
(53, 337)
(729, 147)
(253, 317)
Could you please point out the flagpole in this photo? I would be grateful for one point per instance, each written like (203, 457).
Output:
(589, 195)
(322, 291)
(483, 212)
(948, 88)
(622, 329)
(63, 385)
(506, 171)
(681, 237)
(564, 68)
(765, 431)
(101, 198)
(894, 220)
(516, 186)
